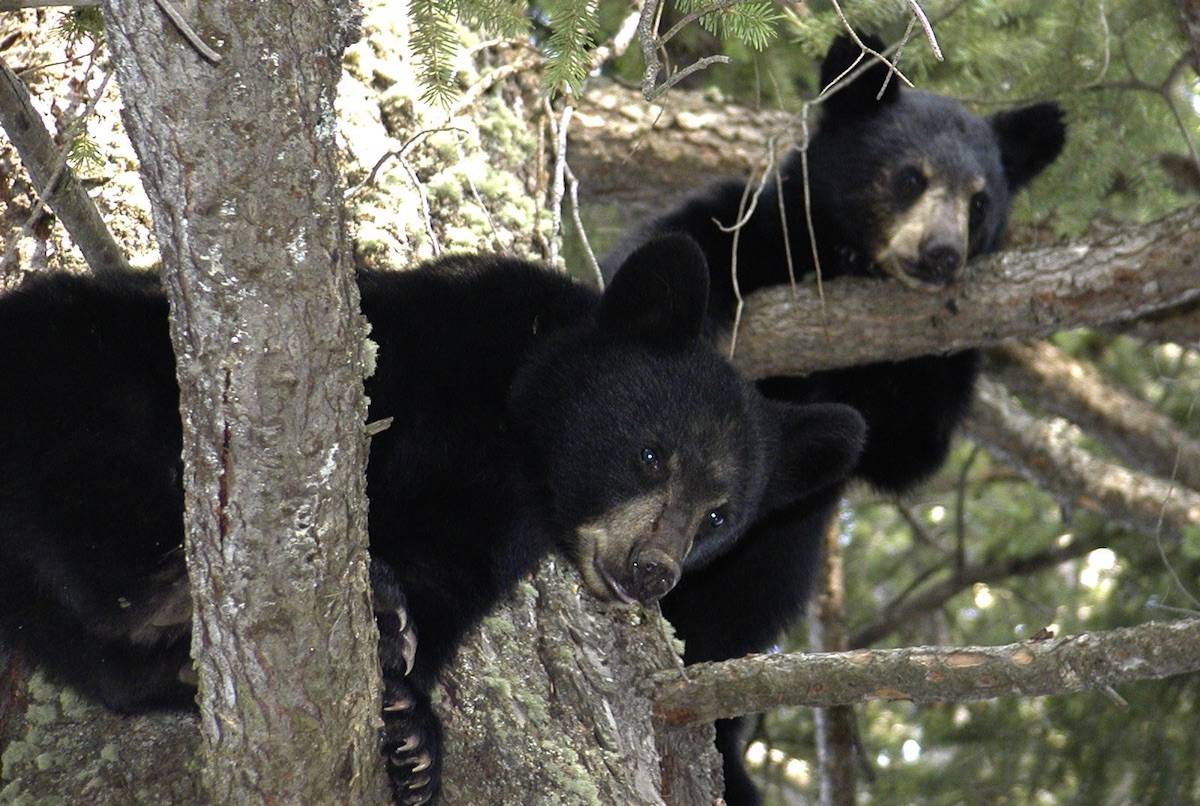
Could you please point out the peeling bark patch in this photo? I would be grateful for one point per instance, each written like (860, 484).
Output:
(965, 661)
(1022, 657)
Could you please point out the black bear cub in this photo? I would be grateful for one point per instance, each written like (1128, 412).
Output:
(529, 412)
(906, 186)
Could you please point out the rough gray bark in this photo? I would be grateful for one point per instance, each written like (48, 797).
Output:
(1134, 430)
(549, 699)
(1073, 663)
(59, 747)
(239, 162)
(1044, 451)
(1022, 293)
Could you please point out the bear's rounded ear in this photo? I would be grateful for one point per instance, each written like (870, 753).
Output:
(1030, 139)
(858, 96)
(819, 445)
(660, 293)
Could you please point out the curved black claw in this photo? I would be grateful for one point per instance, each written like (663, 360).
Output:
(397, 632)
(411, 744)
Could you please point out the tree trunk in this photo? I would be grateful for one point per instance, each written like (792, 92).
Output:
(827, 633)
(549, 699)
(239, 162)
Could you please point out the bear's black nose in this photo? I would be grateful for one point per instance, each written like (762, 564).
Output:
(654, 573)
(939, 263)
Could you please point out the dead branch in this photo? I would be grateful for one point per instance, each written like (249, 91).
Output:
(1075, 663)
(54, 181)
(1133, 429)
(1044, 451)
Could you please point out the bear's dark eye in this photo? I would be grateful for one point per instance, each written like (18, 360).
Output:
(909, 183)
(715, 519)
(979, 205)
(650, 458)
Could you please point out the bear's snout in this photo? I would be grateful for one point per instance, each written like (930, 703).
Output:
(653, 573)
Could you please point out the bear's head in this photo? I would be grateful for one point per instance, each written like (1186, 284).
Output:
(654, 454)
(913, 182)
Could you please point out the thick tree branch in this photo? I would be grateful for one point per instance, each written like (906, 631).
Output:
(550, 663)
(1022, 293)
(53, 179)
(1044, 452)
(241, 168)
(673, 146)
(933, 597)
(929, 674)
(1129, 426)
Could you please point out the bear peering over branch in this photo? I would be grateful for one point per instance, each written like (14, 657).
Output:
(905, 186)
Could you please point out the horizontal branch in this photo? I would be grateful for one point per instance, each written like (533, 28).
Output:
(1018, 294)
(1134, 430)
(928, 674)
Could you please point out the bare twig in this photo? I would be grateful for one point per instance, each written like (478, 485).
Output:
(653, 45)
(425, 213)
(558, 187)
(744, 213)
(53, 180)
(398, 153)
(927, 27)
(188, 33)
(583, 236)
(688, 19)
(500, 246)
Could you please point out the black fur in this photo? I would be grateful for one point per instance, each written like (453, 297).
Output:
(860, 165)
(522, 406)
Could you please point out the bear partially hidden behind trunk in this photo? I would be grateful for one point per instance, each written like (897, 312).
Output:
(528, 413)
